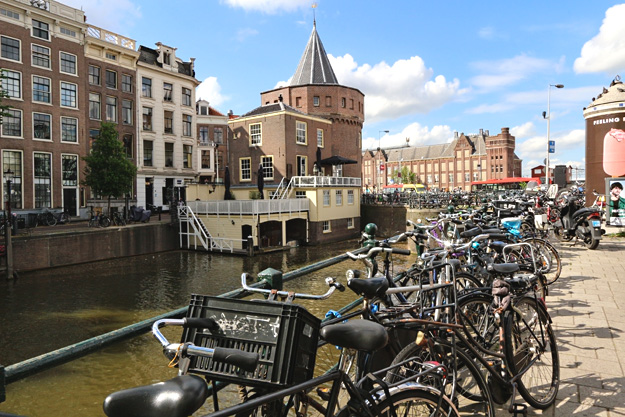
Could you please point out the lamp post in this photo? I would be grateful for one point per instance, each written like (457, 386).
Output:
(8, 175)
(548, 117)
(379, 162)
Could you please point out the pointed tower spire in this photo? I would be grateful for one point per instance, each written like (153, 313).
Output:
(314, 67)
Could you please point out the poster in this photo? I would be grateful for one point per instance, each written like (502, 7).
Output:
(615, 201)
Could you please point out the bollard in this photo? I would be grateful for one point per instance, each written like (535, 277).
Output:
(250, 246)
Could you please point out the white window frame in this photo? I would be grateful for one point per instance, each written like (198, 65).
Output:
(61, 60)
(300, 132)
(106, 78)
(320, 138)
(350, 197)
(127, 111)
(300, 194)
(327, 228)
(256, 137)
(4, 124)
(338, 197)
(3, 82)
(245, 169)
(168, 93)
(267, 163)
(113, 116)
(47, 31)
(63, 130)
(350, 222)
(186, 96)
(326, 198)
(99, 115)
(127, 87)
(75, 94)
(19, 42)
(49, 92)
(32, 58)
(50, 126)
(187, 125)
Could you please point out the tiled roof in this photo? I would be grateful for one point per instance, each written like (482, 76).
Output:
(271, 108)
(443, 150)
(314, 67)
(149, 56)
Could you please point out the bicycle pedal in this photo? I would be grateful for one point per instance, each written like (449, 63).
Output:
(323, 393)
(519, 410)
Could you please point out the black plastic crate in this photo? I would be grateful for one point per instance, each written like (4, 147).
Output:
(284, 335)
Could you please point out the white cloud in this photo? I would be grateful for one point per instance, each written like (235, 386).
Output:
(538, 144)
(523, 131)
(419, 136)
(397, 90)
(243, 34)
(113, 15)
(269, 6)
(505, 72)
(210, 90)
(606, 51)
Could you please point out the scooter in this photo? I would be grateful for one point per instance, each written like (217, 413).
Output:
(579, 223)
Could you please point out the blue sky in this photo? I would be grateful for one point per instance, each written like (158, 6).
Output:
(426, 68)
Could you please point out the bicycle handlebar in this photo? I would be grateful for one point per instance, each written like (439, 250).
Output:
(247, 361)
(332, 283)
(376, 250)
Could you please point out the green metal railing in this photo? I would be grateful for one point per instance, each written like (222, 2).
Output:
(66, 354)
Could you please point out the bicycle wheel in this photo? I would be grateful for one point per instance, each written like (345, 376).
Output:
(469, 382)
(476, 316)
(413, 402)
(530, 341)
(105, 221)
(548, 258)
(50, 219)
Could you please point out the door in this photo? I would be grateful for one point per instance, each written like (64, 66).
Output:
(70, 201)
(149, 193)
(246, 231)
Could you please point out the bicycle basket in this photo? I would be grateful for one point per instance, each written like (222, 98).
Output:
(284, 335)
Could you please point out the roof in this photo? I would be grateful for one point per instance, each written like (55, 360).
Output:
(149, 56)
(443, 150)
(272, 108)
(508, 180)
(314, 66)
(615, 93)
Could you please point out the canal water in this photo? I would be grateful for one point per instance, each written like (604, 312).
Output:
(46, 310)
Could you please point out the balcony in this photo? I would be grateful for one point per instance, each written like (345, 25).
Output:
(250, 207)
(110, 37)
(321, 181)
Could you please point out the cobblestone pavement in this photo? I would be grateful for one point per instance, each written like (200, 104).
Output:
(587, 304)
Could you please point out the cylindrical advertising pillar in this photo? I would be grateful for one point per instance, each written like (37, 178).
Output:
(605, 138)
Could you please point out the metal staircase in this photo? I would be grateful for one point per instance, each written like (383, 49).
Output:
(195, 228)
(283, 189)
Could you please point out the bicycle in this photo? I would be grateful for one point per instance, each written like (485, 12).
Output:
(45, 218)
(98, 220)
(369, 396)
(117, 219)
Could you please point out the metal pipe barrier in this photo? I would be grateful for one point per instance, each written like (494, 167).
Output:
(21, 370)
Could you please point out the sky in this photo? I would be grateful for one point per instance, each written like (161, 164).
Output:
(427, 69)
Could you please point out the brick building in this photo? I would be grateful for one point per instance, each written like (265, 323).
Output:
(452, 165)
(212, 128)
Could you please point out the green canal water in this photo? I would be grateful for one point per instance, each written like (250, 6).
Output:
(46, 310)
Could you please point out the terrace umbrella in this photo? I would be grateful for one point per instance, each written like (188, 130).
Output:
(318, 162)
(261, 180)
(337, 160)
(227, 183)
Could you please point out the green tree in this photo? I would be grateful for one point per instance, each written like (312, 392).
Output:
(108, 171)
(407, 176)
(3, 94)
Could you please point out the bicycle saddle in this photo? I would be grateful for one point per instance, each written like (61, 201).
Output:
(505, 269)
(178, 397)
(368, 288)
(362, 335)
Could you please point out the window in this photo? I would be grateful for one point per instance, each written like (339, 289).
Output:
(166, 58)
(111, 56)
(451, 178)
(298, 102)
(186, 96)
(40, 56)
(168, 91)
(245, 167)
(169, 121)
(94, 106)
(111, 79)
(94, 75)
(169, 155)
(42, 179)
(148, 149)
(300, 194)
(187, 156)
(9, 13)
(147, 118)
(343, 102)
(302, 165)
(12, 123)
(300, 132)
(339, 197)
(127, 112)
(186, 125)
(316, 101)
(12, 83)
(350, 197)
(267, 163)
(203, 135)
(256, 134)
(320, 138)
(326, 226)
(41, 30)
(205, 160)
(70, 170)
(128, 145)
(10, 49)
(328, 101)
(41, 89)
(42, 126)
(430, 179)
(69, 129)
(218, 135)
(68, 32)
(204, 110)
(326, 198)
(350, 222)
(69, 93)
(467, 177)
(13, 160)
(68, 63)
(127, 83)
(111, 109)
(146, 87)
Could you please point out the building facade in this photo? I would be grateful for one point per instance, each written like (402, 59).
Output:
(451, 166)
(212, 146)
(167, 142)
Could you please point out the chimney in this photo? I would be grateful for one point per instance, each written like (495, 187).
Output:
(455, 135)
(280, 98)
(481, 132)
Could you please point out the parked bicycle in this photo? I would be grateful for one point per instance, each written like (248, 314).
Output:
(118, 219)
(45, 218)
(98, 220)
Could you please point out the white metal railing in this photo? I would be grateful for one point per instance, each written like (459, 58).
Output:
(223, 244)
(322, 181)
(185, 213)
(250, 207)
(110, 37)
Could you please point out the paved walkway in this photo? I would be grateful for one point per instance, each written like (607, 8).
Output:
(587, 304)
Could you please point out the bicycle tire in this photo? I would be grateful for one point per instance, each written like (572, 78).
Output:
(549, 260)
(50, 220)
(526, 327)
(471, 384)
(414, 401)
(479, 323)
(104, 221)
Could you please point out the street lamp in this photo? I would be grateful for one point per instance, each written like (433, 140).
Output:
(379, 164)
(547, 115)
(8, 176)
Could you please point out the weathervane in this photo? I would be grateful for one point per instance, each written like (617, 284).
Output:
(314, 6)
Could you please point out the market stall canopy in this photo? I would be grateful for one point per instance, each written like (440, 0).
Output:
(337, 160)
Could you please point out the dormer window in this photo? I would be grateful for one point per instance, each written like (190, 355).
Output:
(204, 110)
(166, 58)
